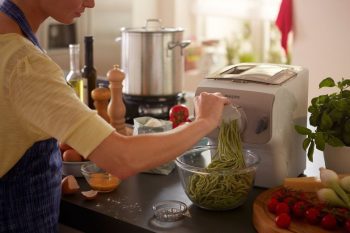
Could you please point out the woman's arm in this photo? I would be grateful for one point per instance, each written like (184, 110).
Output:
(124, 156)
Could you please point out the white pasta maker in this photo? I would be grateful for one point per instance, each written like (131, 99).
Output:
(272, 99)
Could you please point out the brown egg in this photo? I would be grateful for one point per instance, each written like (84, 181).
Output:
(69, 185)
(71, 155)
(63, 147)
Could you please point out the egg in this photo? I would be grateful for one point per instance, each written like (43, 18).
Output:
(72, 155)
(69, 185)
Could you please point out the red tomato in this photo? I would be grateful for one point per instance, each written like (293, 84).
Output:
(347, 225)
(283, 220)
(178, 113)
(271, 205)
(282, 208)
(329, 222)
(299, 209)
(312, 215)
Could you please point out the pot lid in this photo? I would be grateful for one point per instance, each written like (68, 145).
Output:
(152, 26)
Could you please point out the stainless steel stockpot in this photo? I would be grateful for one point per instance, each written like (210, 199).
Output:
(153, 60)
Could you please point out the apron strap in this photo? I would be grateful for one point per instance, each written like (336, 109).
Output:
(15, 13)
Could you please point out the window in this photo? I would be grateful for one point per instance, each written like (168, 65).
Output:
(245, 30)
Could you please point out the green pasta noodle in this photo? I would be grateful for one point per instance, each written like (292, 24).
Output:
(223, 190)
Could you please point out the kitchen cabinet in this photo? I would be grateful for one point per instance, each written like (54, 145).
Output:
(129, 209)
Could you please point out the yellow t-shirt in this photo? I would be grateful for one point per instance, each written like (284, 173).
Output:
(37, 104)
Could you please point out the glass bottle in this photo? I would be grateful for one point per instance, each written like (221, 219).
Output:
(89, 71)
(74, 77)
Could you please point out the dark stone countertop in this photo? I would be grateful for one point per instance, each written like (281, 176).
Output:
(128, 209)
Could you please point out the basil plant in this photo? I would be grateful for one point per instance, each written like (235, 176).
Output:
(330, 115)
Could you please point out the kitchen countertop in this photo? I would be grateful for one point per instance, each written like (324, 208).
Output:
(129, 209)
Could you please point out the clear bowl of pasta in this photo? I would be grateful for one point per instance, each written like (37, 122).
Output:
(215, 181)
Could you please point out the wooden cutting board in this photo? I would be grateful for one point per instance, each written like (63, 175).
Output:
(264, 221)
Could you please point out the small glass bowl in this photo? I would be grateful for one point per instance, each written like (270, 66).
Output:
(219, 189)
(98, 179)
(169, 211)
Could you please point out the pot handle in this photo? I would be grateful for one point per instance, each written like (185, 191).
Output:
(183, 44)
(153, 25)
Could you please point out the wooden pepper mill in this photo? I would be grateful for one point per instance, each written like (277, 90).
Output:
(101, 96)
(116, 108)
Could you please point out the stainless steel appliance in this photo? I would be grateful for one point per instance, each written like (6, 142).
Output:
(273, 99)
(153, 62)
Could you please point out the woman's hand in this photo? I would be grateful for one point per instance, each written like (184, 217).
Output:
(209, 107)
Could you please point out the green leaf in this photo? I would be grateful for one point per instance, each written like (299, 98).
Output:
(310, 152)
(302, 130)
(326, 122)
(346, 94)
(306, 143)
(346, 82)
(340, 105)
(334, 141)
(336, 115)
(322, 99)
(327, 82)
(314, 119)
(314, 101)
(320, 141)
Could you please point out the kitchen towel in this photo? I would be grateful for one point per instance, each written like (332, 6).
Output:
(284, 22)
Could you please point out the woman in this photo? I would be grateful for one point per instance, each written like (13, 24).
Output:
(38, 108)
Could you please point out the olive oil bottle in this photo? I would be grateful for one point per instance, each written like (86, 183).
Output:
(89, 71)
(74, 77)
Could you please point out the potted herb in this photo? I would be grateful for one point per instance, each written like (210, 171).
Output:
(330, 117)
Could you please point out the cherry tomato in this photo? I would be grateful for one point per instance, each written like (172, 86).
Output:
(283, 220)
(312, 215)
(282, 208)
(271, 205)
(329, 222)
(347, 225)
(299, 209)
(178, 113)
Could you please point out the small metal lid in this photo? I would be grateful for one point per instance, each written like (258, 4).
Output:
(169, 211)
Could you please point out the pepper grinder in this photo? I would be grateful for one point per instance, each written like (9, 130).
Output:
(101, 96)
(116, 108)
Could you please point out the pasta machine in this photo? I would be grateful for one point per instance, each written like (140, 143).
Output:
(272, 99)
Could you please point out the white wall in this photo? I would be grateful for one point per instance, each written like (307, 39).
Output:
(322, 40)
(322, 44)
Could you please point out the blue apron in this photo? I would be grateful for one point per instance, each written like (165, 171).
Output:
(30, 192)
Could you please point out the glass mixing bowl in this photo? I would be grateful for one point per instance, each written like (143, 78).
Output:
(217, 189)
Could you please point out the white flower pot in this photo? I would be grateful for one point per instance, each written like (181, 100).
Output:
(337, 158)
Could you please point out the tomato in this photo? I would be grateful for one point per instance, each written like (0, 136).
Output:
(282, 208)
(178, 113)
(299, 209)
(347, 225)
(283, 220)
(271, 205)
(313, 215)
(329, 222)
